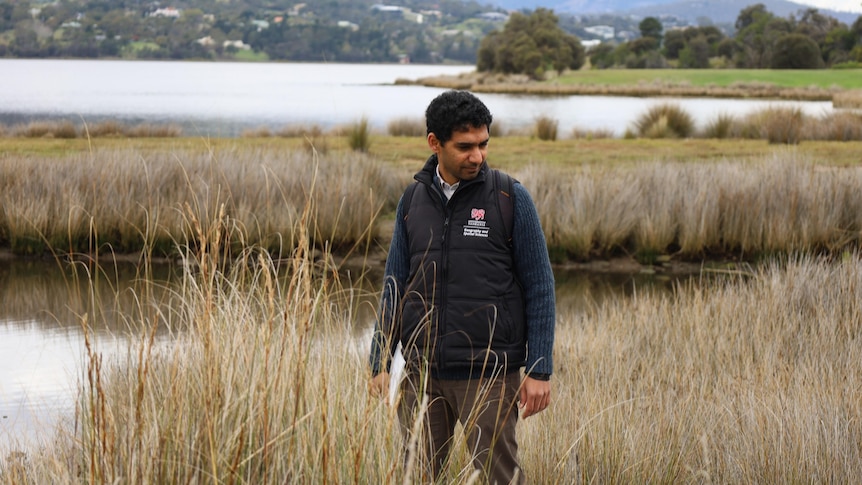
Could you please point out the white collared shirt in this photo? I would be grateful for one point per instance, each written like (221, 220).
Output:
(448, 190)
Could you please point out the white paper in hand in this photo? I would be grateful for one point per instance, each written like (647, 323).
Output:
(396, 373)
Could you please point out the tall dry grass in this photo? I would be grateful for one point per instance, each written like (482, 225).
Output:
(406, 126)
(545, 128)
(747, 380)
(265, 380)
(848, 99)
(665, 121)
(125, 200)
(66, 129)
(745, 209)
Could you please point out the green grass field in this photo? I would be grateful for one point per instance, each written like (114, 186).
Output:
(823, 78)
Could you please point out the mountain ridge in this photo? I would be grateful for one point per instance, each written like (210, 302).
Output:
(719, 11)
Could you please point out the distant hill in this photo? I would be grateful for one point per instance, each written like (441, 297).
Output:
(726, 11)
(718, 11)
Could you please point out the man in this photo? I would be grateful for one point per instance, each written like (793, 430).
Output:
(469, 294)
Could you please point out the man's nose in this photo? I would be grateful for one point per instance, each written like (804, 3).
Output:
(477, 155)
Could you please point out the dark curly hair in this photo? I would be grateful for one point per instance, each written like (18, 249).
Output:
(455, 111)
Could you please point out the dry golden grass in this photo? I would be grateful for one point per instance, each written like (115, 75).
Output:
(848, 99)
(65, 129)
(264, 381)
(746, 209)
(125, 199)
(412, 127)
(735, 382)
(598, 198)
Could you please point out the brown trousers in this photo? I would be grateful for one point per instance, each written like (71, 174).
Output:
(487, 408)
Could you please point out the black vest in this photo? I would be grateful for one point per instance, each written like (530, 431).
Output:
(463, 308)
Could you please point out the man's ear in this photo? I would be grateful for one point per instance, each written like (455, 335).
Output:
(434, 143)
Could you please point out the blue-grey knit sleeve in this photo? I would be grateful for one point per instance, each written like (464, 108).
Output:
(533, 268)
(397, 270)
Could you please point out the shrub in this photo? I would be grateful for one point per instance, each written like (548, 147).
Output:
(665, 121)
(546, 128)
(48, 129)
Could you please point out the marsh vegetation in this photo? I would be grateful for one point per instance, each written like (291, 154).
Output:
(259, 371)
(264, 381)
(597, 198)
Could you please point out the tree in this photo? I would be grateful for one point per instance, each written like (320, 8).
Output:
(696, 54)
(602, 56)
(757, 36)
(749, 15)
(674, 42)
(651, 27)
(796, 51)
(530, 44)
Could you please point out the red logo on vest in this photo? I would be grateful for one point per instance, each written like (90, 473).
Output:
(477, 214)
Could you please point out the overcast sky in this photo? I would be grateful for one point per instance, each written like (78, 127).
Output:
(841, 5)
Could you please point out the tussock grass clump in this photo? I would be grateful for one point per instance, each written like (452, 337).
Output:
(46, 129)
(591, 134)
(848, 99)
(152, 130)
(838, 126)
(258, 132)
(780, 124)
(406, 127)
(545, 128)
(665, 121)
(722, 126)
(300, 131)
(105, 128)
(316, 139)
(497, 129)
(130, 200)
(359, 135)
(746, 209)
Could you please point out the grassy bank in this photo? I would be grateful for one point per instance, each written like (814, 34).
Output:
(265, 382)
(648, 199)
(814, 85)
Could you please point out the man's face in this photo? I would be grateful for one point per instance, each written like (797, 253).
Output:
(463, 155)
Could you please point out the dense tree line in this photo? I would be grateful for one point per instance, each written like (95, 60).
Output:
(332, 30)
(761, 40)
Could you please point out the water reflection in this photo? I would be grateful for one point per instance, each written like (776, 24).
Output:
(42, 340)
(44, 304)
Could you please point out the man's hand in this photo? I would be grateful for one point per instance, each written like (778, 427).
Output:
(378, 386)
(535, 396)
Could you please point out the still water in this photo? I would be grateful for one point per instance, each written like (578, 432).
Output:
(223, 99)
(44, 347)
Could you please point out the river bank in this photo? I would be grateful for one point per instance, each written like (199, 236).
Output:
(652, 84)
